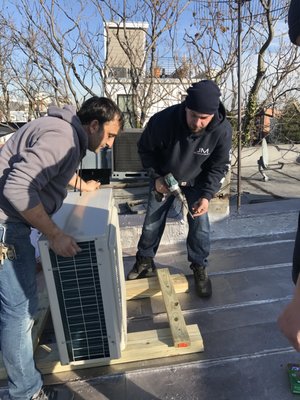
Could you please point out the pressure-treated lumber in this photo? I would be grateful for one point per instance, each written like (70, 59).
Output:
(141, 346)
(150, 287)
(41, 319)
(176, 320)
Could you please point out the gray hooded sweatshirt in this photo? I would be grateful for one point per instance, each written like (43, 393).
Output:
(38, 161)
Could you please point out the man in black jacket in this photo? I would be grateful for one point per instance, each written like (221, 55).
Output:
(289, 320)
(191, 140)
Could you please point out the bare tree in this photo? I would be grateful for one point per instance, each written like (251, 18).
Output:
(51, 38)
(65, 50)
(268, 60)
(263, 34)
(6, 50)
(211, 40)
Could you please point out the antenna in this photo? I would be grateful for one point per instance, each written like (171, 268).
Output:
(265, 153)
(263, 162)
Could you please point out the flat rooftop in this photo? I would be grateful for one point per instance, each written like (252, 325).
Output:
(245, 356)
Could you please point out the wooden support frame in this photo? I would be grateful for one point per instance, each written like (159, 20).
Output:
(177, 323)
(179, 339)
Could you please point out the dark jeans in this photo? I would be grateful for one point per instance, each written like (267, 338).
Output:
(198, 240)
(296, 255)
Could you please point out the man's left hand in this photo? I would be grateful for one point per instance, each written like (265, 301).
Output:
(91, 185)
(200, 207)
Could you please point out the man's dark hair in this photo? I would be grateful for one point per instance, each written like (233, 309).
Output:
(101, 109)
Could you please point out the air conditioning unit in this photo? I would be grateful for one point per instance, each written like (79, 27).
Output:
(87, 292)
(126, 163)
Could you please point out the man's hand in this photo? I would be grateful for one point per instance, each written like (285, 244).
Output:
(160, 185)
(200, 207)
(289, 323)
(63, 245)
(90, 186)
(80, 184)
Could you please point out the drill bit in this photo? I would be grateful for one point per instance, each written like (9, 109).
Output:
(174, 188)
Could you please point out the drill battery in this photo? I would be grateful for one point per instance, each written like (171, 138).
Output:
(175, 190)
(294, 377)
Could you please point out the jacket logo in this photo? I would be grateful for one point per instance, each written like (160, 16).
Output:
(202, 152)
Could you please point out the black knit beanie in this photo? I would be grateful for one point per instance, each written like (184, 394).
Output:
(203, 97)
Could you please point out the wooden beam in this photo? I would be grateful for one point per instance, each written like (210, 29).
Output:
(177, 323)
(149, 287)
(40, 322)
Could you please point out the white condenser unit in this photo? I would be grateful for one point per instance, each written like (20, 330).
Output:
(87, 292)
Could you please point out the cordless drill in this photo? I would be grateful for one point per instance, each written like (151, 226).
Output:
(174, 189)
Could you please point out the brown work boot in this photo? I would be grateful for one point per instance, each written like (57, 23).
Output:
(144, 267)
(202, 281)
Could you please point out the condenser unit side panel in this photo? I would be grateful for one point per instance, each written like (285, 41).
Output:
(110, 300)
(114, 244)
(115, 280)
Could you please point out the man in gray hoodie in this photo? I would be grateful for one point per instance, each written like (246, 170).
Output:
(36, 164)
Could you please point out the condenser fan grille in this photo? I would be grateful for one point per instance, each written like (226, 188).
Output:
(81, 304)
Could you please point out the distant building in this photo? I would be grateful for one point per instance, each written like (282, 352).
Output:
(20, 110)
(18, 116)
(117, 60)
(266, 121)
(164, 83)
